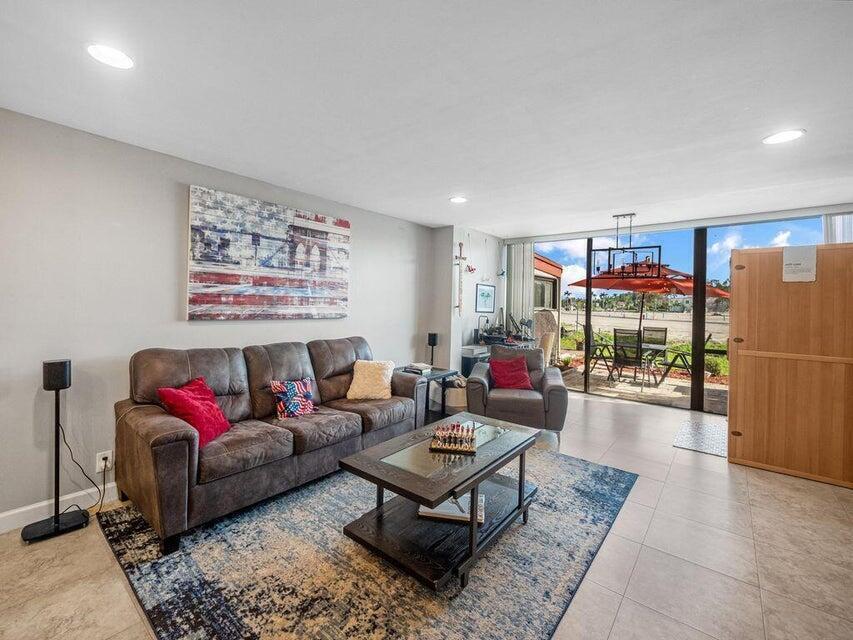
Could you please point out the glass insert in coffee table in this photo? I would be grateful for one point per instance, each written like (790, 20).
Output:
(418, 458)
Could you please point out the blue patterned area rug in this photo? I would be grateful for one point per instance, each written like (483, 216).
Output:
(283, 569)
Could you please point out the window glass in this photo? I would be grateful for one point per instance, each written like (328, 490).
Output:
(543, 293)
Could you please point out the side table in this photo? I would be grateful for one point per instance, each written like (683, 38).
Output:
(436, 374)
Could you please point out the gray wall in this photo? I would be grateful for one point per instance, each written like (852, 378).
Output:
(93, 268)
(484, 253)
(440, 313)
(455, 328)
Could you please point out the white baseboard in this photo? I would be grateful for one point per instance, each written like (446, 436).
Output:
(17, 518)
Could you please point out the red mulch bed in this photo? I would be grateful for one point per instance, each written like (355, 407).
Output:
(683, 375)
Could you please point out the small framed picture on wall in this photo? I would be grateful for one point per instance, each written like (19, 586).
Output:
(485, 298)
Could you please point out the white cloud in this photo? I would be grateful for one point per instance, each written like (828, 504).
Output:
(572, 273)
(569, 248)
(781, 239)
(725, 246)
(720, 251)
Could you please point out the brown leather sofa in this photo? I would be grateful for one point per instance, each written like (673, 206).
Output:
(177, 487)
(543, 407)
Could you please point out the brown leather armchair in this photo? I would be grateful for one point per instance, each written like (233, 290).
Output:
(543, 407)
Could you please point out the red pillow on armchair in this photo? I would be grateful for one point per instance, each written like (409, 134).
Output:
(195, 404)
(510, 374)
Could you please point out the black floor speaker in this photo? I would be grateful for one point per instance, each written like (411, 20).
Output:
(56, 376)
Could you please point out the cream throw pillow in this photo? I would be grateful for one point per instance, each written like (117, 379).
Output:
(371, 380)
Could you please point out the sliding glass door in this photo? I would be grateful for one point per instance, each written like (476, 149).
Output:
(642, 317)
(651, 323)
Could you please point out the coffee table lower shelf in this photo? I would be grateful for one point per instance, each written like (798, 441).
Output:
(432, 551)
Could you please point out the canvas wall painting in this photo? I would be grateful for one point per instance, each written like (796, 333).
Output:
(255, 260)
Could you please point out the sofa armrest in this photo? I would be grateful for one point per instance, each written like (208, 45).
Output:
(411, 385)
(152, 424)
(156, 463)
(477, 388)
(556, 398)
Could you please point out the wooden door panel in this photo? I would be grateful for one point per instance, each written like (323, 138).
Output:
(791, 357)
(793, 317)
(798, 418)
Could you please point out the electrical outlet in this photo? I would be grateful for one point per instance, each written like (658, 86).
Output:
(101, 464)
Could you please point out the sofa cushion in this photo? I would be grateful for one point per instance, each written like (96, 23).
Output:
(224, 371)
(377, 414)
(522, 406)
(279, 361)
(333, 361)
(320, 429)
(245, 445)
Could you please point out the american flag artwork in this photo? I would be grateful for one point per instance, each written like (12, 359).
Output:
(255, 260)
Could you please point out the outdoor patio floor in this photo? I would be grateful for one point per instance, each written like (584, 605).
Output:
(672, 392)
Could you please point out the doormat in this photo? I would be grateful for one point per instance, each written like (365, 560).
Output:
(705, 437)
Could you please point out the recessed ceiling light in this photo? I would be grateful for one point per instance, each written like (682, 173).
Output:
(784, 136)
(110, 56)
(458, 199)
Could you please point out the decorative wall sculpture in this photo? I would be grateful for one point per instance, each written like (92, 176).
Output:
(255, 260)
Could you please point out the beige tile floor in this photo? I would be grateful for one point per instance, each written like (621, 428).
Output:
(705, 549)
(702, 549)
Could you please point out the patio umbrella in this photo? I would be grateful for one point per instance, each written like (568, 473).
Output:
(645, 277)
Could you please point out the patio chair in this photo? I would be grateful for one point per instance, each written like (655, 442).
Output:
(654, 335)
(600, 352)
(628, 352)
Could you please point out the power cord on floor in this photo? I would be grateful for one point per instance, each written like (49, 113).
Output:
(103, 485)
(101, 492)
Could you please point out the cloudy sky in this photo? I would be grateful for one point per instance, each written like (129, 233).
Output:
(677, 246)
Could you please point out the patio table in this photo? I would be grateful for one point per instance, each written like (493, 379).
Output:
(603, 351)
(678, 360)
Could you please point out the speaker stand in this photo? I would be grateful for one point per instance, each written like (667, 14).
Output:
(54, 526)
(58, 523)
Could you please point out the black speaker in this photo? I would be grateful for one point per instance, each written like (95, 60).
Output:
(432, 341)
(56, 374)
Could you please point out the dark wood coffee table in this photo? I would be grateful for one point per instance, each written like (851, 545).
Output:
(433, 551)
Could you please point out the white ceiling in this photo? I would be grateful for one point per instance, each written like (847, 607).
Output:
(549, 116)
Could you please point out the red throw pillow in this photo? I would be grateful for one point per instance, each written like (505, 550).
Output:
(195, 403)
(510, 374)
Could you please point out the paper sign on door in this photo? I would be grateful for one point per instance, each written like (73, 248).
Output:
(799, 264)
